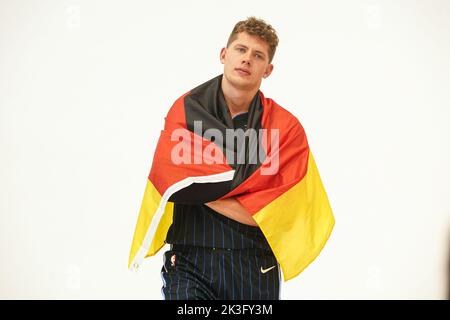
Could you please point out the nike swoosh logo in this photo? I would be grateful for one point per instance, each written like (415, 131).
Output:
(266, 270)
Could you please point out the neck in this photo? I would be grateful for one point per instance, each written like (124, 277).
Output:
(238, 100)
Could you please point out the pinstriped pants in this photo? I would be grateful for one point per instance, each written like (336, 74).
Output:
(220, 274)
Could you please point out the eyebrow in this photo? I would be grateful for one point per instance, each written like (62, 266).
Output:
(241, 45)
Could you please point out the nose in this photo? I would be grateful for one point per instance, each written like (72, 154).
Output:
(246, 58)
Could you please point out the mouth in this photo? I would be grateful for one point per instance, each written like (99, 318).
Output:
(243, 72)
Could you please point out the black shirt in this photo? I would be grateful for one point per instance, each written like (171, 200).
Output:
(199, 225)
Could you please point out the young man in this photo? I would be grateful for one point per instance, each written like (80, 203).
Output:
(236, 215)
(218, 251)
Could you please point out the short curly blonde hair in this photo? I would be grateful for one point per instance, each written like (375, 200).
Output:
(256, 27)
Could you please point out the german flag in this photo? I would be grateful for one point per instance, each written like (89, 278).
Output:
(270, 171)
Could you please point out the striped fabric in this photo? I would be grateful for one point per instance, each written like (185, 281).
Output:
(224, 274)
(199, 225)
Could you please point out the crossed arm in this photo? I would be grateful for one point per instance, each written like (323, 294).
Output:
(232, 209)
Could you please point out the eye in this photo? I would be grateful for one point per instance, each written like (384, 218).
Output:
(241, 49)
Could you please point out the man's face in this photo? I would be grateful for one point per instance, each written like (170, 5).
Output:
(246, 61)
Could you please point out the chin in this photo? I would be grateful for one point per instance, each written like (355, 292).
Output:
(240, 82)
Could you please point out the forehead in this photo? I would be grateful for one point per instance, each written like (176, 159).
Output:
(251, 41)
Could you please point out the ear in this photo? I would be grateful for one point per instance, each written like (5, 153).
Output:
(223, 53)
(268, 71)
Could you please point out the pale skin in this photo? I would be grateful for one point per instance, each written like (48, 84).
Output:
(246, 63)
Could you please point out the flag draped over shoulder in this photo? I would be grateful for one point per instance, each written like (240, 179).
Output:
(278, 183)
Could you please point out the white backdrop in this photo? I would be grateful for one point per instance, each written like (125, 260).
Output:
(85, 86)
